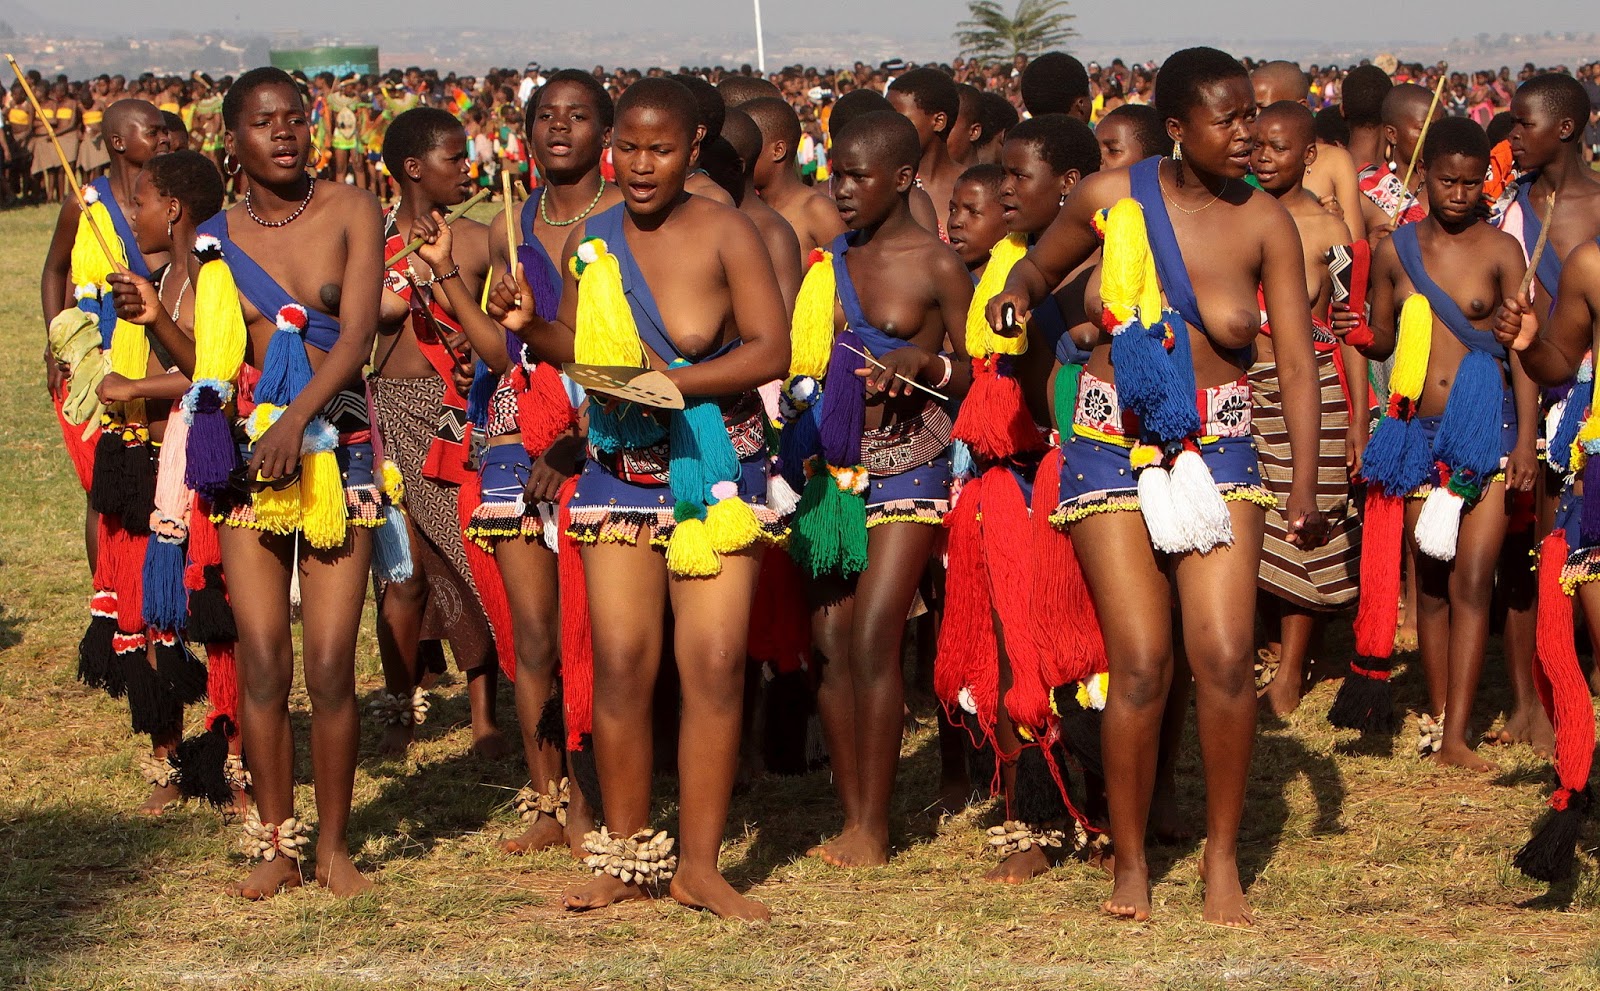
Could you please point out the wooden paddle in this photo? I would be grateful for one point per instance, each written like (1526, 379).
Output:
(644, 386)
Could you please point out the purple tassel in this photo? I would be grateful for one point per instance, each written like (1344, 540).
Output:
(546, 297)
(211, 454)
(844, 402)
(1589, 530)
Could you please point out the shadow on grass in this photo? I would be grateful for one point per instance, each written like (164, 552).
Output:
(10, 628)
(62, 870)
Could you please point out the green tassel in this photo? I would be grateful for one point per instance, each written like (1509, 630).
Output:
(830, 529)
(1066, 397)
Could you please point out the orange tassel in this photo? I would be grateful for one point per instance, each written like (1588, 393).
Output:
(994, 420)
(577, 650)
(1382, 528)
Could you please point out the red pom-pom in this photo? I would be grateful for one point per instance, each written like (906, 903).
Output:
(292, 317)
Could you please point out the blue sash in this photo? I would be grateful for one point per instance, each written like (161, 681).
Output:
(263, 291)
(119, 223)
(1051, 324)
(1550, 263)
(1445, 308)
(855, 318)
(646, 314)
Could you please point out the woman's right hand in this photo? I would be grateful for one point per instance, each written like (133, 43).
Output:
(1021, 309)
(511, 302)
(136, 298)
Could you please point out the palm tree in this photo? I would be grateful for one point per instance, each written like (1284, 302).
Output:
(991, 33)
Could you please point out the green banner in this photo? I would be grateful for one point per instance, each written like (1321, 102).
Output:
(340, 61)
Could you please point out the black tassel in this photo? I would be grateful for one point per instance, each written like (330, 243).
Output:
(1549, 855)
(151, 707)
(182, 675)
(552, 728)
(1365, 703)
(97, 662)
(1080, 730)
(787, 711)
(108, 485)
(141, 495)
(202, 766)
(1035, 798)
(210, 616)
(582, 769)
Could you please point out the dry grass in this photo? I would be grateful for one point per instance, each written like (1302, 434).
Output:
(1368, 869)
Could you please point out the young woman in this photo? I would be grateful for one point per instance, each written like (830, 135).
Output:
(701, 499)
(1212, 559)
(307, 259)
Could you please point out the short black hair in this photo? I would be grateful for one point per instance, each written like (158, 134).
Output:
(1455, 136)
(885, 134)
(190, 178)
(933, 92)
(741, 132)
(720, 160)
(1500, 126)
(1364, 89)
(996, 116)
(1296, 114)
(1064, 143)
(413, 134)
(738, 90)
(971, 99)
(666, 95)
(777, 120)
(175, 125)
(1148, 127)
(856, 103)
(1402, 99)
(708, 100)
(1052, 83)
(1562, 96)
(986, 174)
(605, 110)
(1332, 128)
(248, 83)
(1189, 71)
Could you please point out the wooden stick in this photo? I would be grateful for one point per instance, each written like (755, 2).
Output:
(68, 169)
(511, 230)
(1538, 247)
(456, 213)
(878, 364)
(1427, 122)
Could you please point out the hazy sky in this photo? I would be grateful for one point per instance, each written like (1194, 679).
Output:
(912, 18)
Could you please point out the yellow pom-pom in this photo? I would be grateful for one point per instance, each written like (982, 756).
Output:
(1413, 343)
(982, 341)
(811, 337)
(322, 510)
(260, 418)
(1144, 455)
(732, 525)
(689, 552)
(394, 485)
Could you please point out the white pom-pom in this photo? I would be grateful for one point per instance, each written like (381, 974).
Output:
(91, 195)
(967, 702)
(1160, 514)
(781, 496)
(589, 251)
(550, 529)
(1440, 524)
(319, 436)
(1203, 514)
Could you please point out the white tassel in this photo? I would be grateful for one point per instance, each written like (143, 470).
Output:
(1440, 524)
(548, 523)
(781, 497)
(1160, 512)
(1203, 513)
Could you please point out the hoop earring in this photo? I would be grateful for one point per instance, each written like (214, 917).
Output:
(227, 160)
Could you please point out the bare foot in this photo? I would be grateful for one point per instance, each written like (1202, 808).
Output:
(1225, 904)
(856, 848)
(1283, 695)
(396, 740)
(955, 795)
(1130, 895)
(598, 892)
(711, 891)
(1103, 856)
(577, 828)
(269, 878)
(1459, 755)
(489, 743)
(240, 805)
(338, 873)
(542, 834)
(160, 797)
(1020, 867)
(1529, 725)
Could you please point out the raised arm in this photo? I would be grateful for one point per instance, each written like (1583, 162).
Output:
(1066, 244)
(439, 250)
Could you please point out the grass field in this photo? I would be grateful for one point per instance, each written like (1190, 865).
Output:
(1367, 868)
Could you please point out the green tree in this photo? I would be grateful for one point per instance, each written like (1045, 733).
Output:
(990, 33)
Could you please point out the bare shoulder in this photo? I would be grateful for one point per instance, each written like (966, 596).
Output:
(1103, 189)
(705, 215)
(1584, 261)
(1273, 218)
(347, 197)
(1333, 157)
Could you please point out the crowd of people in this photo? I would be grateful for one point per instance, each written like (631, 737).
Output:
(749, 376)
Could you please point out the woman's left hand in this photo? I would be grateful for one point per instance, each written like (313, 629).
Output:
(1522, 468)
(1308, 528)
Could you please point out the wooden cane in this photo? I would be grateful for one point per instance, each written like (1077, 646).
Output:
(1416, 152)
(72, 177)
(1538, 248)
(455, 214)
(511, 231)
